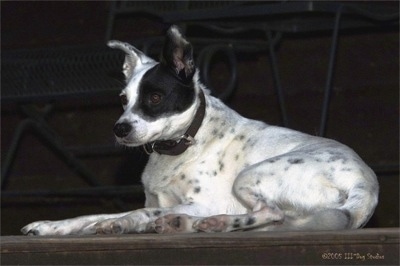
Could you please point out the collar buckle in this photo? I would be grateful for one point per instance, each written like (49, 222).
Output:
(189, 140)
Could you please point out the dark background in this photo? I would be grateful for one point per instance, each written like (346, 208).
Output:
(363, 112)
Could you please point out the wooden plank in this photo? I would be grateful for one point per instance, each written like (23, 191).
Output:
(364, 246)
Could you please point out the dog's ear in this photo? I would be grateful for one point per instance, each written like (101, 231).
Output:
(178, 54)
(133, 58)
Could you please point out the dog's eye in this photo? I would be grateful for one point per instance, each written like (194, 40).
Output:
(124, 99)
(155, 98)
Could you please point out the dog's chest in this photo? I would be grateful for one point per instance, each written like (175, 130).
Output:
(183, 180)
(204, 172)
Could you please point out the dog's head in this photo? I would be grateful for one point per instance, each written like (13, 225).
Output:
(159, 100)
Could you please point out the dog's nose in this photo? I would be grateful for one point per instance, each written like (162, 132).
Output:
(122, 129)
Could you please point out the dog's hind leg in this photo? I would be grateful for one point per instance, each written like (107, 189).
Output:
(261, 194)
(273, 219)
(261, 216)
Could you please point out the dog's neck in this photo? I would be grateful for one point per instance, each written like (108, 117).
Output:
(179, 145)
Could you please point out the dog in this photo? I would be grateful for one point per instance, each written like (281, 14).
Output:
(212, 170)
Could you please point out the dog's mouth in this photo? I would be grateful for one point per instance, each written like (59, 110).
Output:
(133, 140)
(127, 142)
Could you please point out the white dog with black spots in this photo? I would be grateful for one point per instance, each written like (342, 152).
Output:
(212, 170)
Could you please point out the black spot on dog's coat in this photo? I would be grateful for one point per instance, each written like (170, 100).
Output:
(176, 222)
(296, 161)
(236, 223)
(157, 213)
(273, 160)
(221, 166)
(251, 221)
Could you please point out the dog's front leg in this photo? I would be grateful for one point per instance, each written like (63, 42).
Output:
(82, 225)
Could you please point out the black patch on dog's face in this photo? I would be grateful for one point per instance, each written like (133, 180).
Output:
(162, 93)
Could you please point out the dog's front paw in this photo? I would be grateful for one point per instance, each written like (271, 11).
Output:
(218, 223)
(42, 228)
(174, 223)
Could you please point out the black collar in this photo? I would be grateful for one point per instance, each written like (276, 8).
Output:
(180, 145)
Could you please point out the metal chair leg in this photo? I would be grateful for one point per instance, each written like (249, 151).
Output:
(46, 136)
(10, 156)
(331, 66)
(111, 20)
(277, 80)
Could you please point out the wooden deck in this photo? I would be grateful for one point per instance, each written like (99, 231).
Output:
(363, 247)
